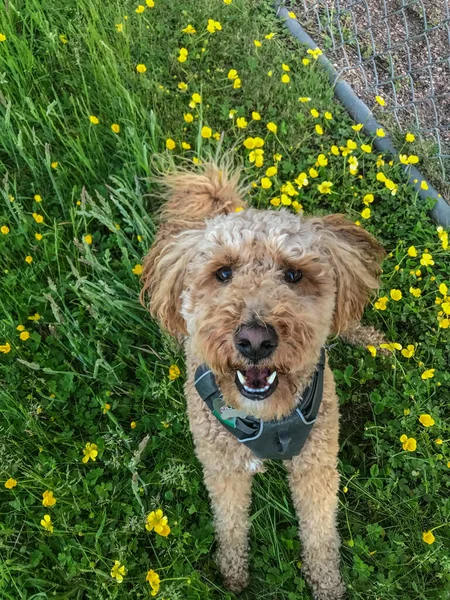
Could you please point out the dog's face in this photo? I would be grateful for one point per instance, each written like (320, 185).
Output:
(257, 293)
(258, 304)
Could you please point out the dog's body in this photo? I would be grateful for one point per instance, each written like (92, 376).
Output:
(254, 295)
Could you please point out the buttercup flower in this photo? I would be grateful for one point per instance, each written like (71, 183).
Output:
(426, 260)
(325, 187)
(38, 218)
(428, 537)
(106, 408)
(322, 161)
(90, 452)
(304, 99)
(328, 115)
(188, 117)
(150, 3)
(256, 116)
(408, 351)
(381, 303)
(37, 198)
(174, 372)
(412, 251)
(213, 26)
(10, 483)
(2, 37)
(133, 424)
(372, 350)
(119, 27)
(206, 132)
(158, 522)
(94, 120)
(380, 132)
(118, 571)
(409, 444)
(396, 295)
(392, 346)
(257, 43)
(266, 183)
(24, 336)
(152, 577)
(380, 100)
(5, 348)
(115, 128)
(416, 292)
(366, 148)
(285, 78)
(429, 374)
(241, 122)
(47, 524)
(141, 68)
(314, 113)
(170, 144)
(368, 199)
(410, 137)
(4, 229)
(272, 127)
(271, 171)
(196, 98)
(189, 29)
(185, 146)
(365, 213)
(140, 9)
(88, 239)
(443, 289)
(423, 185)
(29, 259)
(137, 269)
(48, 499)
(319, 129)
(358, 127)
(426, 420)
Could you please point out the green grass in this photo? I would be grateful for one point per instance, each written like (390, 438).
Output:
(94, 344)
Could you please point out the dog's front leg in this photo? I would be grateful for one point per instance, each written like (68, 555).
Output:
(230, 493)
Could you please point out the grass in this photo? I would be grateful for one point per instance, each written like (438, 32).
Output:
(94, 347)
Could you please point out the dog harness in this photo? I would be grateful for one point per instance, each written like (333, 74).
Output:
(277, 440)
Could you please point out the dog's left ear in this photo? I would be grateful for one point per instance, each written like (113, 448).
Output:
(356, 257)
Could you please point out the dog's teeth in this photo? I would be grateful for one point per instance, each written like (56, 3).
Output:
(271, 379)
(241, 377)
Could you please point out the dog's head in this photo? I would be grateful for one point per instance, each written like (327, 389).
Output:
(257, 293)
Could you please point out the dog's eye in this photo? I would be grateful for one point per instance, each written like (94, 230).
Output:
(224, 273)
(292, 275)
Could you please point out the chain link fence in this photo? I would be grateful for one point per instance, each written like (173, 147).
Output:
(398, 49)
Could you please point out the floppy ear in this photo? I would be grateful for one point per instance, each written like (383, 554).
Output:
(164, 273)
(356, 259)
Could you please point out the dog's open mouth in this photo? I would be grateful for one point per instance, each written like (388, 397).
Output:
(256, 384)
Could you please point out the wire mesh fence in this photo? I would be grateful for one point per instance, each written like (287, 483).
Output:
(398, 49)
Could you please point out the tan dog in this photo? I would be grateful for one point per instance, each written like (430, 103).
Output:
(254, 294)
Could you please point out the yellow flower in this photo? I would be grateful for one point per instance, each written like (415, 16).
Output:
(277, 157)
(438, 441)
(88, 239)
(322, 161)
(272, 127)
(380, 132)
(285, 67)
(24, 336)
(20, 327)
(140, 9)
(257, 43)
(152, 577)
(63, 38)
(365, 213)
(10, 484)
(266, 183)
(133, 424)
(5, 348)
(271, 171)
(238, 209)
(314, 113)
(328, 115)
(325, 187)
(412, 251)
(428, 537)
(157, 522)
(2, 37)
(90, 452)
(368, 199)
(206, 132)
(275, 201)
(183, 55)
(257, 156)
(4, 229)
(381, 303)
(304, 99)
(416, 292)
(185, 146)
(174, 372)
(446, 307)
(182, 86)
(413, 159)
(119, 27)
(313, 173)
(269, 73)
(319, 129)
(292, 14)
(408, 444)
(54, 165)
(241, 122)
(380, 100)
(305, 61)
(46, 522)
(335, 150)
(29, 259)
(410, 137)
(302, 180)
(48, 499)
(429, 374)
(408, 351)
(150, 3)
(314, 53)
(237, 83)
(423, 185)
(189, 29)
(35, 317)
(256, 116)
(106, 407)
(426, 260)
(381, 177)
(443, 289)
(426, 420)
(392, 346)
(115, 128)
(196, 98)
(94, 120)
(37, 198)
(396, 295)
(213, 26)
(249, 143)
(141, 68)
(269, 36)
(38, 218)
(118, 571)
(137, 269)
(351, 145)
(188, 117)
(358, 127)
(366, 148)
(443, 324)
(170, 144)
(285, 78)
(372, 350)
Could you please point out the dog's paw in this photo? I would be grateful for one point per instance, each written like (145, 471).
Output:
(234, 569)
(330, 590)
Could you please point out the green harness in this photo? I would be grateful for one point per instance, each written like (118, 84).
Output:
(277, 440)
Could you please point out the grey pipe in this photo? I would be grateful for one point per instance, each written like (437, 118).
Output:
(360, 113)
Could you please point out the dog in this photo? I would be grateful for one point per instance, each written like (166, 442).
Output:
(253, 295)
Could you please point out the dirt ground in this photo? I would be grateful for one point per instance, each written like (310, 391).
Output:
(398, 49)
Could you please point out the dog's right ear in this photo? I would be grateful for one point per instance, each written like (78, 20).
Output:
(164, 273)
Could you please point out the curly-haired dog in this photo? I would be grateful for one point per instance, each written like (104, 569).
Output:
(254, 294)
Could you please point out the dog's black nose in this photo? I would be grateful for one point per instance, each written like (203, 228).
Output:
(255, 341)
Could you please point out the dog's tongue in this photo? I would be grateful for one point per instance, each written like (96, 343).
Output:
(256, 378)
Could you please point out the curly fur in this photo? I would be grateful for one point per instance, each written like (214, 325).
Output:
(200, 232)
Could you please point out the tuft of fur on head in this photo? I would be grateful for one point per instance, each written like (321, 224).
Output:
(201, 232)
